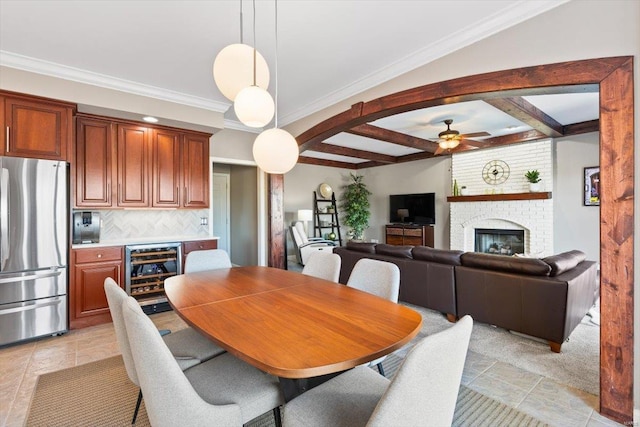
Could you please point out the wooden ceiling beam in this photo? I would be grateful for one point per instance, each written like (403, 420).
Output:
(393, 137)
(514, 138)
(352, 152)
(583, 127)
(527, 113)
(323, 162)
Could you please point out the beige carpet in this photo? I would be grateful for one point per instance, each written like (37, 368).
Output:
(100, 394)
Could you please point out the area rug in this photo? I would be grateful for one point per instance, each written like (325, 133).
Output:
(578, 364)
(100, 394)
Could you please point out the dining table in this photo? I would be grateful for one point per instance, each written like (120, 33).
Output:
(291, 325)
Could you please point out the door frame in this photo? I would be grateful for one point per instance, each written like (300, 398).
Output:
(227, 178)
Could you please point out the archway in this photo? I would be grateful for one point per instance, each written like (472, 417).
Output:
(613, 77)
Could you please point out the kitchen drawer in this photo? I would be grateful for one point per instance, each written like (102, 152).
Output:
(198, 245)
(111, 253)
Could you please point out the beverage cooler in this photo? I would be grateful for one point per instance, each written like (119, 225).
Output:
(147, 267)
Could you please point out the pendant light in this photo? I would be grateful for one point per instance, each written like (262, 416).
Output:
(253, 105)
(276, 150)
(233, 67)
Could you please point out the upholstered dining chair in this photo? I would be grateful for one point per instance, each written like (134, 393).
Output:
(222, 391)
(209, 259)
(379, 278)
(423, 391)
(324, 265)
(187, 346)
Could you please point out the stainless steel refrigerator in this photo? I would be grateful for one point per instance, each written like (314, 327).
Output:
(33, 248)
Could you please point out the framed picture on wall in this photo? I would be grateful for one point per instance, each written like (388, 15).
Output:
(592, 186)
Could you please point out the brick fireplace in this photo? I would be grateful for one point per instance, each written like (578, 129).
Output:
(533, 219)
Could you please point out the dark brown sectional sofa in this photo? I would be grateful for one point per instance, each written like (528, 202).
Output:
(544, 298)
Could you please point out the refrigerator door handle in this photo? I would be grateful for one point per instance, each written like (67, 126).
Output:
(4, 217)
(29, 306)
(51, 273)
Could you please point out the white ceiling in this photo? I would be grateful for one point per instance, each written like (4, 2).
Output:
(328, 50)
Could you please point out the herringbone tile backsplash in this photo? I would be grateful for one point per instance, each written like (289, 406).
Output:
(126, 224)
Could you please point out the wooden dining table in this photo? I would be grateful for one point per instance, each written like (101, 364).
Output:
(289, 324)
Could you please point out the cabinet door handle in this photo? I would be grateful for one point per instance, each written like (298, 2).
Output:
(7, 141)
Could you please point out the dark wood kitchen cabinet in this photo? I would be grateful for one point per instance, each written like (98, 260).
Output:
(87, 301)
(121, 164)
(93, 164)
(36, 127)
(197, 245)
(134, 172)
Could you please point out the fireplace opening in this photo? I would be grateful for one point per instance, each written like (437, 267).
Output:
(499, 241)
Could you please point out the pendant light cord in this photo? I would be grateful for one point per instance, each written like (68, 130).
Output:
(255, 45)
(276, 100)
(241, 30)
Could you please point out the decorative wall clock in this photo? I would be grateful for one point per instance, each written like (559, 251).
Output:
(495, 172)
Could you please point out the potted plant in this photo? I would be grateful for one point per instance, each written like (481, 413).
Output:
(534, 179)
(355, 203)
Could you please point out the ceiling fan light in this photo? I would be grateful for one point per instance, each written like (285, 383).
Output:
(254, 106)
(233, 70)
(448, 144)
(275, 151)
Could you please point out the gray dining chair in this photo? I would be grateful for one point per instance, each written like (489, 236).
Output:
(379, 278)
(223, 391)
(204, 260)
(324, 265)
(187, 346)
(423, 391)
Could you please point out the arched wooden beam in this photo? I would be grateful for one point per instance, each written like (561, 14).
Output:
(613, 78)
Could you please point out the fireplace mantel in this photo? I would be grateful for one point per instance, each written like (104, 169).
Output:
(500, 197)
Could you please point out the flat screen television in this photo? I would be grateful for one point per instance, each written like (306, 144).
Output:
(413, 208)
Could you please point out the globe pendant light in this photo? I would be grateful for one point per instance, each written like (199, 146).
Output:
(233, 67)
(253, 105)
(276, 150)
(233, 70)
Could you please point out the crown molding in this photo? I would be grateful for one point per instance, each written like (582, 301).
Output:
(237, 125)
(517, 13)
(38, 66)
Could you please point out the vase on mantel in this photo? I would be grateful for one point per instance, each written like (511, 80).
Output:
(535, 187)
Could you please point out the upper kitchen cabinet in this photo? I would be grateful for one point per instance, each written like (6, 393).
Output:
(196, 171)
(166, 182)
(95, 150)
(36, 127)
(134, 158)
(149, 166)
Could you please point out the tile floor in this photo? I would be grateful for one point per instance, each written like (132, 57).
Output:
(20, 365)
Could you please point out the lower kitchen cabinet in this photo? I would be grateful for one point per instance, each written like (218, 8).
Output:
(90, 267)
(197, 245)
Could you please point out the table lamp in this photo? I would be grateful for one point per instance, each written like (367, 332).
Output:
(305, 215)
(403, 213)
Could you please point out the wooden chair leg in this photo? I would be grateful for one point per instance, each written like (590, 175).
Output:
(135, 413)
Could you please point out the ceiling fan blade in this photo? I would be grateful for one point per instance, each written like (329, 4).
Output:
(474, 134)
(438, 151)
(474, 143)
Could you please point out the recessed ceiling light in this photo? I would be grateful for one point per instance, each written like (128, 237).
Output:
(150, 119)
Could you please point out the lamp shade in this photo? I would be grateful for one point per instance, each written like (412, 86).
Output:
(447, 144)
(254, 106)
(233, 70)
(305, 215)
(275, 151)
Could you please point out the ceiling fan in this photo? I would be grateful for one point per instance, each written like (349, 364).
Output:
(451, 138)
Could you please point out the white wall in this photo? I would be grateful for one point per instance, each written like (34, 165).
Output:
(232, 144)
(575, 226)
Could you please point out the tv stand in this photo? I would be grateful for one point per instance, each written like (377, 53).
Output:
(409, 234)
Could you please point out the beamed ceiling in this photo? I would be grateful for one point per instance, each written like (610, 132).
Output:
(484, 121)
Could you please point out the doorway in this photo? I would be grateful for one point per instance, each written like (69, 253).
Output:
(221, 210)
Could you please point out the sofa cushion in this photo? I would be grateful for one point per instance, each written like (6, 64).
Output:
(425, 253)
(368, 248)
(395, 251)
(507, 264)
(564, 262)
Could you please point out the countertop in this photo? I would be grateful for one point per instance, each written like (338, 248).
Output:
(141, 240)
